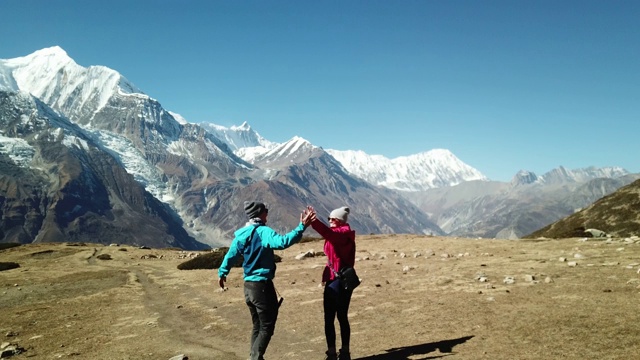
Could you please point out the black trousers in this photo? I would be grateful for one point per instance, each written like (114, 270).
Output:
(263, 305)
(336, 304)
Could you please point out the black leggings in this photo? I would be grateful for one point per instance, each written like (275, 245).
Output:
(336, 303)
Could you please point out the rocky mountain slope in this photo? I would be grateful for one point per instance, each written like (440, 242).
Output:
(186, 166)
(616, 214)
(57, 184)
(512, 210)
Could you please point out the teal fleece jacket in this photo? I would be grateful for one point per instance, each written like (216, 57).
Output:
(259, 261)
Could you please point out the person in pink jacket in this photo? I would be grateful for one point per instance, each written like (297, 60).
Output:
(340, 248)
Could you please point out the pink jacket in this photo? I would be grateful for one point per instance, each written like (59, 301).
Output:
(339, 246)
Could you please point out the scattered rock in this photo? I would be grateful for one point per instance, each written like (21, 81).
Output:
(308, 254)
(10, 349)
(406, 269)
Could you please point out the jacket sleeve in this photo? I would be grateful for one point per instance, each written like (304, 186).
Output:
(271, 239)
(333, 235)
(231, 257)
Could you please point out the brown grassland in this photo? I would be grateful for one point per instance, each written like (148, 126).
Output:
(421, 298)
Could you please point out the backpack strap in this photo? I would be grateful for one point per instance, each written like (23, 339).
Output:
(250, 238)
(332, 269)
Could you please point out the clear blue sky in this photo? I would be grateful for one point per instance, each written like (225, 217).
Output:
(505, 85)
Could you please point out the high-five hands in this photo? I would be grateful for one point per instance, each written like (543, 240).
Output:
(307, 216)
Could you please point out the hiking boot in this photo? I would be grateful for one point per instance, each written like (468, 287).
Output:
(331, 356)
(344, 355)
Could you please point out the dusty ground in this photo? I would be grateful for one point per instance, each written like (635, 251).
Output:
(414, 302)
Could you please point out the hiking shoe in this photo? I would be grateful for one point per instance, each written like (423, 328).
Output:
(344, 355)
(329, 356)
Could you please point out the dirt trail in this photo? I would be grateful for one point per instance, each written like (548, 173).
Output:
(184, 326)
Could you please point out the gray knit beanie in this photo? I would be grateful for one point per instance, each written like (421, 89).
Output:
(340, 213)
(253, 208)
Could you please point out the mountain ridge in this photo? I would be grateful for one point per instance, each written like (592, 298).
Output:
(202, 173)
(197, 174)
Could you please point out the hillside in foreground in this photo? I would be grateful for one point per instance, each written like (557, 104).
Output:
(616, 214)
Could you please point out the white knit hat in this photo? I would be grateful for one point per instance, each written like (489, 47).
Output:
(340, 214)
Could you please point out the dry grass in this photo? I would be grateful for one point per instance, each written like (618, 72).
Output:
(62, 302)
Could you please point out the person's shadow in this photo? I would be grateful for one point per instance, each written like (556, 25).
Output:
(403, 353)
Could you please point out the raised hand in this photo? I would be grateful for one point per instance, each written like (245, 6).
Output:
(307, 216)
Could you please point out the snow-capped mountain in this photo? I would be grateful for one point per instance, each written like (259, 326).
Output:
(430, 169)
(193, 170)
(427, 170)
(58, 184)
(53, 77)
(238, 137)
(115, 161)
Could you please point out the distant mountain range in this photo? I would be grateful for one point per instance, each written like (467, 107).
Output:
(86, 156)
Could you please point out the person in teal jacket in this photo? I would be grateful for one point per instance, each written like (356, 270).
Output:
(255, 243)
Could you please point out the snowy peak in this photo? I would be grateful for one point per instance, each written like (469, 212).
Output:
(524, 177)
(291, 147)
(426, 170)
(238, 137)
(293, 151)
(52, 76)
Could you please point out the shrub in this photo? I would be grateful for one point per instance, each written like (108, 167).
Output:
(8, 266)
(211, 260)
(8, 245)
